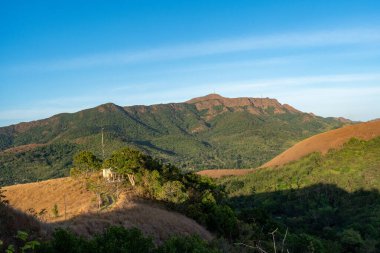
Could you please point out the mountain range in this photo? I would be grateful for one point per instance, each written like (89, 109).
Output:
(202, 133)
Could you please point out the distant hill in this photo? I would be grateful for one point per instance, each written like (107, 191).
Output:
(83, 217)
(334, 139)
(325, 141)
(205, 132)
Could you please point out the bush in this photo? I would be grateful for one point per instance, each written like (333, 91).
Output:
(122, 240)
(186, 245)
(174, 192)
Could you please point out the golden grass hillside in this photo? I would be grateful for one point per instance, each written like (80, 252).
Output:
(83, 217)
(218, 173)
(323, 142)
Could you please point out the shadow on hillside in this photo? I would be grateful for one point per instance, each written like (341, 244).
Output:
(323, 210)
(12, 220)
(152, 146)
(152, 219)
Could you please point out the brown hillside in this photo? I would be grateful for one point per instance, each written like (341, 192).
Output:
(84, 218)
(318, 143)
(224, 172)
(253, 104)
(323, 142)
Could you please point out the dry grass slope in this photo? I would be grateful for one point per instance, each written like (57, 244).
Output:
(224, 172)
(84, 218)
(325, 141)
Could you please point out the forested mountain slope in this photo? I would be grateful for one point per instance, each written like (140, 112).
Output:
(205, 132)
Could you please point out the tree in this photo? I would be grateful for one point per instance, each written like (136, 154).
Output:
(174, 192)
(186, 244)
(85, 162)
(351, 240)
(128, 162)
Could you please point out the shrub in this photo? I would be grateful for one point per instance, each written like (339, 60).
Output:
(186, 245)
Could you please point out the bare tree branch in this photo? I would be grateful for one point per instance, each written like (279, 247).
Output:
(283, 241)
(274, 241)
(251, 247)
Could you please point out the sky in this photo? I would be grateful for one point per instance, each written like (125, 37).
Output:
(64, 56)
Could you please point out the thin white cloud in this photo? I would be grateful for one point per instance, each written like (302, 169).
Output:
(326, 95)
(302, 81)
(288, 40)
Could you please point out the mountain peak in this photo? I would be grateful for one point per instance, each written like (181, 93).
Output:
(211, 96)
(253, 105)
(108, 107)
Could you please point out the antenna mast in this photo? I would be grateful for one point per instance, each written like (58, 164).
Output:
(102, 143)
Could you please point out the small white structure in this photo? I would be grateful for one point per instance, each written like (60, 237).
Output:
(112, 176)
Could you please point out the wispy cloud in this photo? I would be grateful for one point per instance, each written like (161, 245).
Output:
(305, 81)
(288, 40)
(301, 91)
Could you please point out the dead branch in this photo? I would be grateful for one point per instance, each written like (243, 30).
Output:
(251, 247)
(274, 240)
(283, 241)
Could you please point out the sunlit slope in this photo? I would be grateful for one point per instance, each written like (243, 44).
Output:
(323, 142)
(83, 217)
(355, 166)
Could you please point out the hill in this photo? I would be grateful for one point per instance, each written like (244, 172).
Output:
(83, 217)
(334, 139)
(329, 201)
(205, 132)
(325, 141)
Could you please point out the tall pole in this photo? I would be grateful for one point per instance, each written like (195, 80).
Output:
(102, 144)
(64, 199)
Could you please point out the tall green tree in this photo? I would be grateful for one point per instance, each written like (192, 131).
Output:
(85, 162)
(128, 162)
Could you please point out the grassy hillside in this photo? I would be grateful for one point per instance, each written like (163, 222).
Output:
(331, 201)
(84, 218)
(209, 132)
(325, 141)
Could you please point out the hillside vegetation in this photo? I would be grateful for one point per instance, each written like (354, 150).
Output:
(82, 215)
(329, 203)
(207, 132)
(150, 199)
(320, 203)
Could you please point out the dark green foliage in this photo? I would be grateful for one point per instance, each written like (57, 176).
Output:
(5, 141)
(118, 239)
(175, 133)
(186, 245)
(121, 240)
(64, 241)
(86, 162)
(128, 160)
(51, 161)
(189, 193)
(351, 240)
(329, 203)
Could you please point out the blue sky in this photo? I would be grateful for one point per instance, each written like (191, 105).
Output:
(63, 56)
